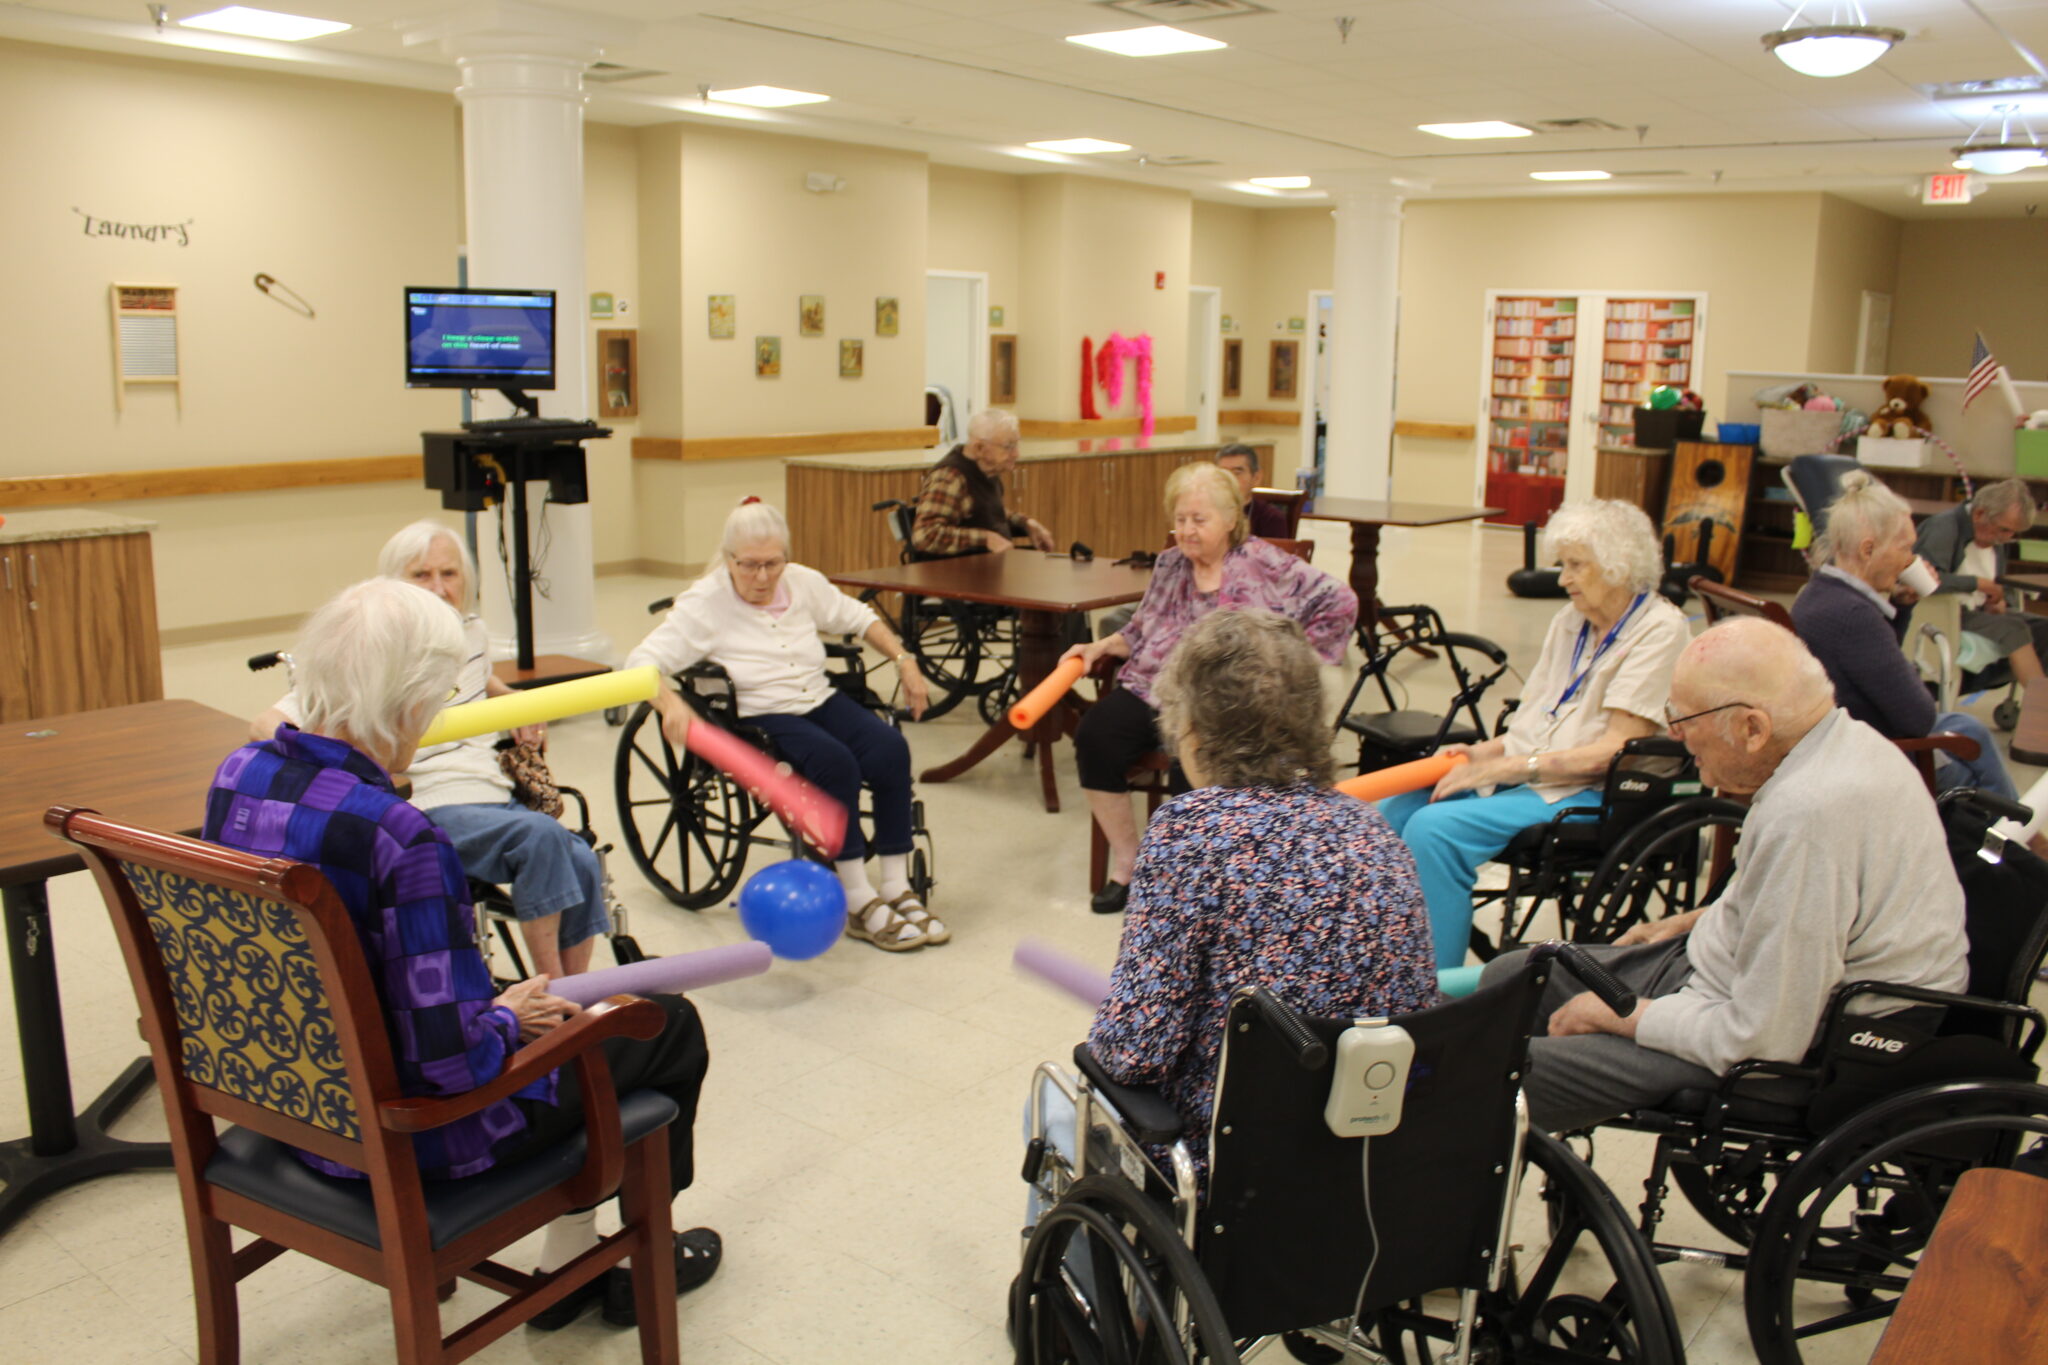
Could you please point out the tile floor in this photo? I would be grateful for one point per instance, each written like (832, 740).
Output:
(858, 1143)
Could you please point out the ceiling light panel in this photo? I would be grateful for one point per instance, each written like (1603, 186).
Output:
(767, 96)
(1470, 131)
(1282, 182)
(1571, 175)
(1079, 146)
(1156, 41)
(263, 23)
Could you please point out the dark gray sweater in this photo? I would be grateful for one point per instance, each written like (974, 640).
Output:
(1859, 647)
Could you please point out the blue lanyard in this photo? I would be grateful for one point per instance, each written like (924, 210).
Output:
(1607, 640)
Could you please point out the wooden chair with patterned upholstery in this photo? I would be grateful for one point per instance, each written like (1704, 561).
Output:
(260, 1011)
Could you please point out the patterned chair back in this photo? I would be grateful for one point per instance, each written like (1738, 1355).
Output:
(252, 982)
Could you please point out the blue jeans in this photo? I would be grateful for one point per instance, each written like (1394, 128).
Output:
(839, 746)
(1452, 837)
(1985, 771)
(551, 871)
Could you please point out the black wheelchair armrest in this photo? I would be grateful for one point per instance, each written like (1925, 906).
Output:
(1477, 643)
(1146, 1112)
(660, 605)
(1837, 1015)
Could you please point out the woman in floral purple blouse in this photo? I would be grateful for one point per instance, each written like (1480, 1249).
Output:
(1213, 564)
(1262, 875)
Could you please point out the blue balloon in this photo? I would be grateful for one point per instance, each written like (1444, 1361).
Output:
(797, 908)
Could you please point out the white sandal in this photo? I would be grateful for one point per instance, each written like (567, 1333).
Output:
(913, 912)
(896, 934)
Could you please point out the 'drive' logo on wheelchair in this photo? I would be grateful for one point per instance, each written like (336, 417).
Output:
(1877, 1042)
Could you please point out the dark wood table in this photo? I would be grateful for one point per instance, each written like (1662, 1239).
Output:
(1044, 589)
(1366, 518)
(150, 764)
(1983, 1278)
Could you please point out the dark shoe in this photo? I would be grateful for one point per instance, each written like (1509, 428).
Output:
(698, 1253)
(568, 1310)
(1110, 899)
(1307, 1349)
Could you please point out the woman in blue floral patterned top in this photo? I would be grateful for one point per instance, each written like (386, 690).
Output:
(1261, 876)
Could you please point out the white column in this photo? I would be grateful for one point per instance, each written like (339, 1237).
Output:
(522, 102)
(1365, 279)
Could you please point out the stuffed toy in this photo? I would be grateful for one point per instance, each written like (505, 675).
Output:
(1900, 415)
(2036, 420)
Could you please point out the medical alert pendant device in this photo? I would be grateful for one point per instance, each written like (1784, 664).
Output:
(1369, 1079)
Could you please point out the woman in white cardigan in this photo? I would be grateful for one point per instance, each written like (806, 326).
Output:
(759, 617)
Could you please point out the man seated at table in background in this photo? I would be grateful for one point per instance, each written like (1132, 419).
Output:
(1265, 518)
(960, 508)
(1842, 874)
(1968, 546)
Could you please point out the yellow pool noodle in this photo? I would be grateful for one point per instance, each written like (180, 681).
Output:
(542, 703)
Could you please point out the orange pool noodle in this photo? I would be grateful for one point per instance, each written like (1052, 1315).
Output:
(1032, 706)
(1402, 777)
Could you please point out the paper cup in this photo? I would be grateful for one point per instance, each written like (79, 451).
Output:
(1920, 577)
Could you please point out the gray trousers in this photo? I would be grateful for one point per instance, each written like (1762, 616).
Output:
(1587, 1079)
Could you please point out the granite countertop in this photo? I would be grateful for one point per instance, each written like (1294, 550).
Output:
(66, 523)
(1033, 450)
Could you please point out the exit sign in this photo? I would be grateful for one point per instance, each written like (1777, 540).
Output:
(1946, 189)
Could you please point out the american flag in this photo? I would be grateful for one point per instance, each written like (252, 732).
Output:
(1983, 369)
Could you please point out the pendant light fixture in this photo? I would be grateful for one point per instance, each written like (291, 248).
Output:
(1847, 42)
(2006, 155)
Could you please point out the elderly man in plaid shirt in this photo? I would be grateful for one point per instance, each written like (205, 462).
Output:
(960, 509)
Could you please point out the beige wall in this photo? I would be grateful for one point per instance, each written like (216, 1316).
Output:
(1957, 277)
(1857, 250)
(1292, 256)
(611, 238)
(976, 223)
(1753, 255)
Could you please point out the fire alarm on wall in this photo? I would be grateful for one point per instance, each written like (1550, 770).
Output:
(1159, 279)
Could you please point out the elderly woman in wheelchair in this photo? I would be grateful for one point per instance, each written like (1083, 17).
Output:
(1601, 680)
(758, 616)
(558, 881)
(373, 667)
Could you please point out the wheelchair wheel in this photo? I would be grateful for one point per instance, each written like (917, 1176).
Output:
(685, 823)
(945, 638)
(1730, 1193)
(1593, 1295)
(1857, 1212)
(1107, 1277)
(998, 696)
(1661, 867)
(2006, 714)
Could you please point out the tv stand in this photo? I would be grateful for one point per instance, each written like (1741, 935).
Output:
(521, 402)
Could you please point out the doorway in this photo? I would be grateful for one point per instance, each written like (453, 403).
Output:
(1205, 356)
(1315, 403)
(956, 347)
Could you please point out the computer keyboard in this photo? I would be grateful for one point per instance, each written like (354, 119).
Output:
(526, 424)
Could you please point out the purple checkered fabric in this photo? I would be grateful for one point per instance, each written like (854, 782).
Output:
(320, 801)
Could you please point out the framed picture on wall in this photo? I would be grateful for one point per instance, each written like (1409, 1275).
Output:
(767, 357)
(850, 358)
(811, 315)
(1002, 369)
(886, 313)
(1233, 366)
(1282, 369)
(723, 313)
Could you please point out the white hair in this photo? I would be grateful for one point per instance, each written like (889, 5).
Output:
(412, 544)
(1864, 510)
(376, 663)
(993, 424)
(752, 521)
(1996, 499)
(1617, 535)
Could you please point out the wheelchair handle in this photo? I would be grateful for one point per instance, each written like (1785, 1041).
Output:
(660, 605)
(1310, 1052)
(1612, 993)
(1989, 802)
(259, 662)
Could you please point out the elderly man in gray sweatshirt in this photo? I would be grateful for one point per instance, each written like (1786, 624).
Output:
(1842, 874)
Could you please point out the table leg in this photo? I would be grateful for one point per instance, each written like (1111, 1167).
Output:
(55, 1153)
(1365, 573)
(1040, 642)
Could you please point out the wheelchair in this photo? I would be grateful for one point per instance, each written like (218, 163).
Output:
(1380, 1248)
(964, 649)
(1648, 850)
(1829, 1175)
(494, 903)
(688, 825)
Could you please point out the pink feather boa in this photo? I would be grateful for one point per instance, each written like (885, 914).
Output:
(1109, 372)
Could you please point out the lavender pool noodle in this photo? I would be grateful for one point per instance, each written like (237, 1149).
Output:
(1089, 985)
(680, 972)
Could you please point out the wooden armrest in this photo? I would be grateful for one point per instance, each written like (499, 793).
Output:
(621, 1016)
(1958, 746)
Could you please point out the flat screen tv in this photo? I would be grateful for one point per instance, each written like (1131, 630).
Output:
(479, 338)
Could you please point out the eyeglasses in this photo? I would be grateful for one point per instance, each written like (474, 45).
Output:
(1672, 722)
(753, 566)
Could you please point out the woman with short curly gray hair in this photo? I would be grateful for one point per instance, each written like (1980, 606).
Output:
(1602, 679)
(1261, 875)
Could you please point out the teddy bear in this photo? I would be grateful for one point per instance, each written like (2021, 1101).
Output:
(1900, 415)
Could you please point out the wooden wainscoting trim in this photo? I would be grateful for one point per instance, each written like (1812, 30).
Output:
(1437, 431)
(54, 490)
(1258, 417)
(1045, 428)
(796, 443)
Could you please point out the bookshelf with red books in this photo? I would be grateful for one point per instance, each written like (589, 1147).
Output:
(1529, 406)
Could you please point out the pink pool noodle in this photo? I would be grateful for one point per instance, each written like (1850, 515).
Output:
(1089, 985)
(809, 811)
(670, 975)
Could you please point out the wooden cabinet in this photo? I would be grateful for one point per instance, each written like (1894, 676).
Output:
(77, 614)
